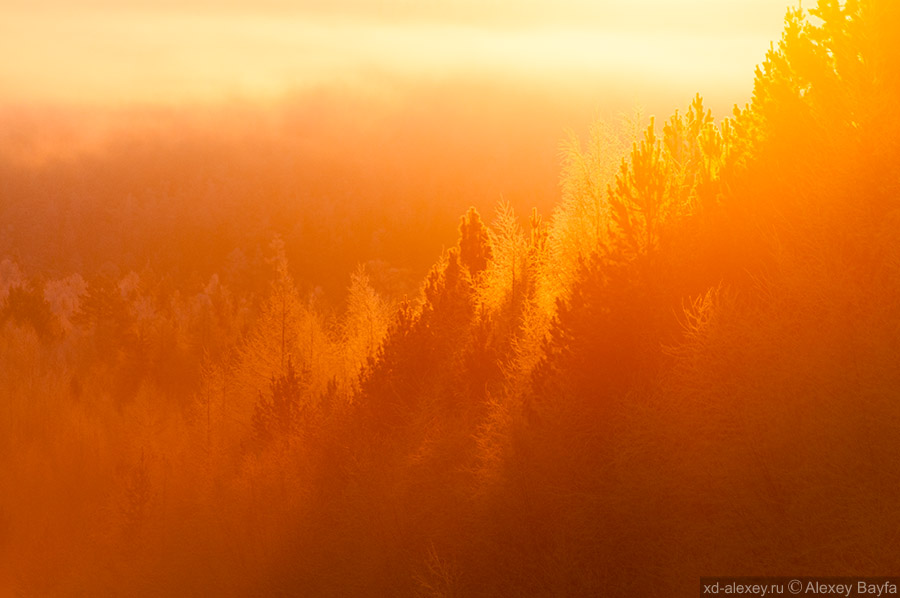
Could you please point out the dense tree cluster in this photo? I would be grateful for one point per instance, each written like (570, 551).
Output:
(689, 369)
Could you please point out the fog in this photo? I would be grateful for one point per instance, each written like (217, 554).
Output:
(140, 53)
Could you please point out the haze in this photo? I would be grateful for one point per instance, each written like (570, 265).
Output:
(431, 299)
(376, 108)
(174, 52)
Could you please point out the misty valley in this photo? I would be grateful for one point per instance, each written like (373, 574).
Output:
(346, 346)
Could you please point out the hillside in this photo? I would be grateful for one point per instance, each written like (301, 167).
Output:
(686, 367)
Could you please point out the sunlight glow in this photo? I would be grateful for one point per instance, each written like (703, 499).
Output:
(448, 297)
(151, 55)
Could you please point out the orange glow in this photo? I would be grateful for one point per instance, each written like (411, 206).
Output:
(148, 53)
(431, 299)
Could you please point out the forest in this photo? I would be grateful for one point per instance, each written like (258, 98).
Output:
(220, 378)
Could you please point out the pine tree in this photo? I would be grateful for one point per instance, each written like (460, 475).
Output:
(25, 305)
(392, 379)
(285, 330)
(365, 323)
(638, 199)
(277, 416)
(475, 250)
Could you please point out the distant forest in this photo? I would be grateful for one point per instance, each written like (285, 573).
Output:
(221, 377)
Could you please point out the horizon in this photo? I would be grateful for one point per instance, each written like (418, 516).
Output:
(106, 54)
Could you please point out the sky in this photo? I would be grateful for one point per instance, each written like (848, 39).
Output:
(190, 51)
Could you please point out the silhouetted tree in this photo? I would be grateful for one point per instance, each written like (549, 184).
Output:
(26, 305)
(277, 415)
(474, 243)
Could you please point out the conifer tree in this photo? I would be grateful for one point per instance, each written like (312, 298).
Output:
(25, 305)
(365, 323)
(638, 198)
(448, 294)
(284, 330)
(392, 379)
(277, 415)
(474, 243)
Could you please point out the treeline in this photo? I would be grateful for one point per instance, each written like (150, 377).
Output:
(343, 176)
(690, 368)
